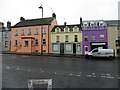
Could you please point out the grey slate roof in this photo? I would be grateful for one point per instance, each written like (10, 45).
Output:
(34, 22)
(113, 22)
(63, 26)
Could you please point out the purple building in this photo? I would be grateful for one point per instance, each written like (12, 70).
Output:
(94, 35)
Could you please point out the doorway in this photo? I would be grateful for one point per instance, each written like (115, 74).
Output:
(74, 48)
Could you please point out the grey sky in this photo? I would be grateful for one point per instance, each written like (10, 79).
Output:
(66, 10)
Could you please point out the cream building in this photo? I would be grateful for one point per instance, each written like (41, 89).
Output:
(66, 39)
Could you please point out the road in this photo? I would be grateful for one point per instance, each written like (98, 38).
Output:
(65, 72)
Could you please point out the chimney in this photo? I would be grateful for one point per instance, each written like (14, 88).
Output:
(8, 24)
(54, 15)
(80, 23)
(65, 23)
(22, 19)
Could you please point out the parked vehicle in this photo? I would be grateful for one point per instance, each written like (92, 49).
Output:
(109, 53)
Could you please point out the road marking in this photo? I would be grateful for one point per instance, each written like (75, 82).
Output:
(29, 70)
(70, 74)
(55, 73)
(42, 71)
(8, 67)
(13, 56)
(78, 75)
(25, 56)
(118, 77)
(18, 68)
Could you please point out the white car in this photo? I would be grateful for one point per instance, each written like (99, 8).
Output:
(110, 53)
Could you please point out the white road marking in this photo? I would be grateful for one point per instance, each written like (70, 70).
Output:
(70, 74)
(18, 68)
(55, 73)
(42, 71)
(78, 75)
(8, 67)
(88, 75)
(29, 70)
(118, 77)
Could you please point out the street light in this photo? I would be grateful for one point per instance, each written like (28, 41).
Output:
(41, 31)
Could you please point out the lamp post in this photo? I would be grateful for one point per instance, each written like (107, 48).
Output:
(41, 31)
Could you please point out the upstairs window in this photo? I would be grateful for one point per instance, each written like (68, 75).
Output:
(66, 29)
(16, 33)
(29, 31)
(75, 29)
(36, 31)
(6, 43)
(44, 42)
(75, 38)
(66, 38)
(86, 37)
(102, 36)
(6, 34)
(22, 32)
(57, 38)
(44, 31)
(36, 42)
(93, 37)
(16, 42)
(57, 30)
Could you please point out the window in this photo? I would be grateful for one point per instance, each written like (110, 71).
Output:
(92, 37)
(6, 34)
(57, 29)
(78, 47)
(6, 43)
(55, 47)
(44, 31)
(68, 47)
(44, 51)
(36, 42)
(16, 33)
(22, 32)
(75, 38)
(57, 38)
(66, 38)
(29, 31)
(75, 29)
(71, 29)
(26, 43)
(36, 31)
(96, 50)
(66, 29)
(44, 41)
(102, 36)
(86, 37)
(16, 42)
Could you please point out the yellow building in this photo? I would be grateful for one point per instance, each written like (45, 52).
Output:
(66, 39)
(113, 35)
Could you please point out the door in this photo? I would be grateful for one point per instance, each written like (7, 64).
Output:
(62, 48)
(74, 48)
(85, 49)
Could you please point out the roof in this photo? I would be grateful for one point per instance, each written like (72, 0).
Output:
(34, 22)
(63, 26)
(113, 22)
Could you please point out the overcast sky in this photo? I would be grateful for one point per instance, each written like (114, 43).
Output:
(66, 10)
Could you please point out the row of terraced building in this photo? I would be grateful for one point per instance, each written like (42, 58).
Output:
(28, 36)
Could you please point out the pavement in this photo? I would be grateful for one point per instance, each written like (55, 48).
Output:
(52, 55)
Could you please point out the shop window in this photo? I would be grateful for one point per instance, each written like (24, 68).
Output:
(68, 47)
(78, 47)
(44, 51)
(55, 47)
